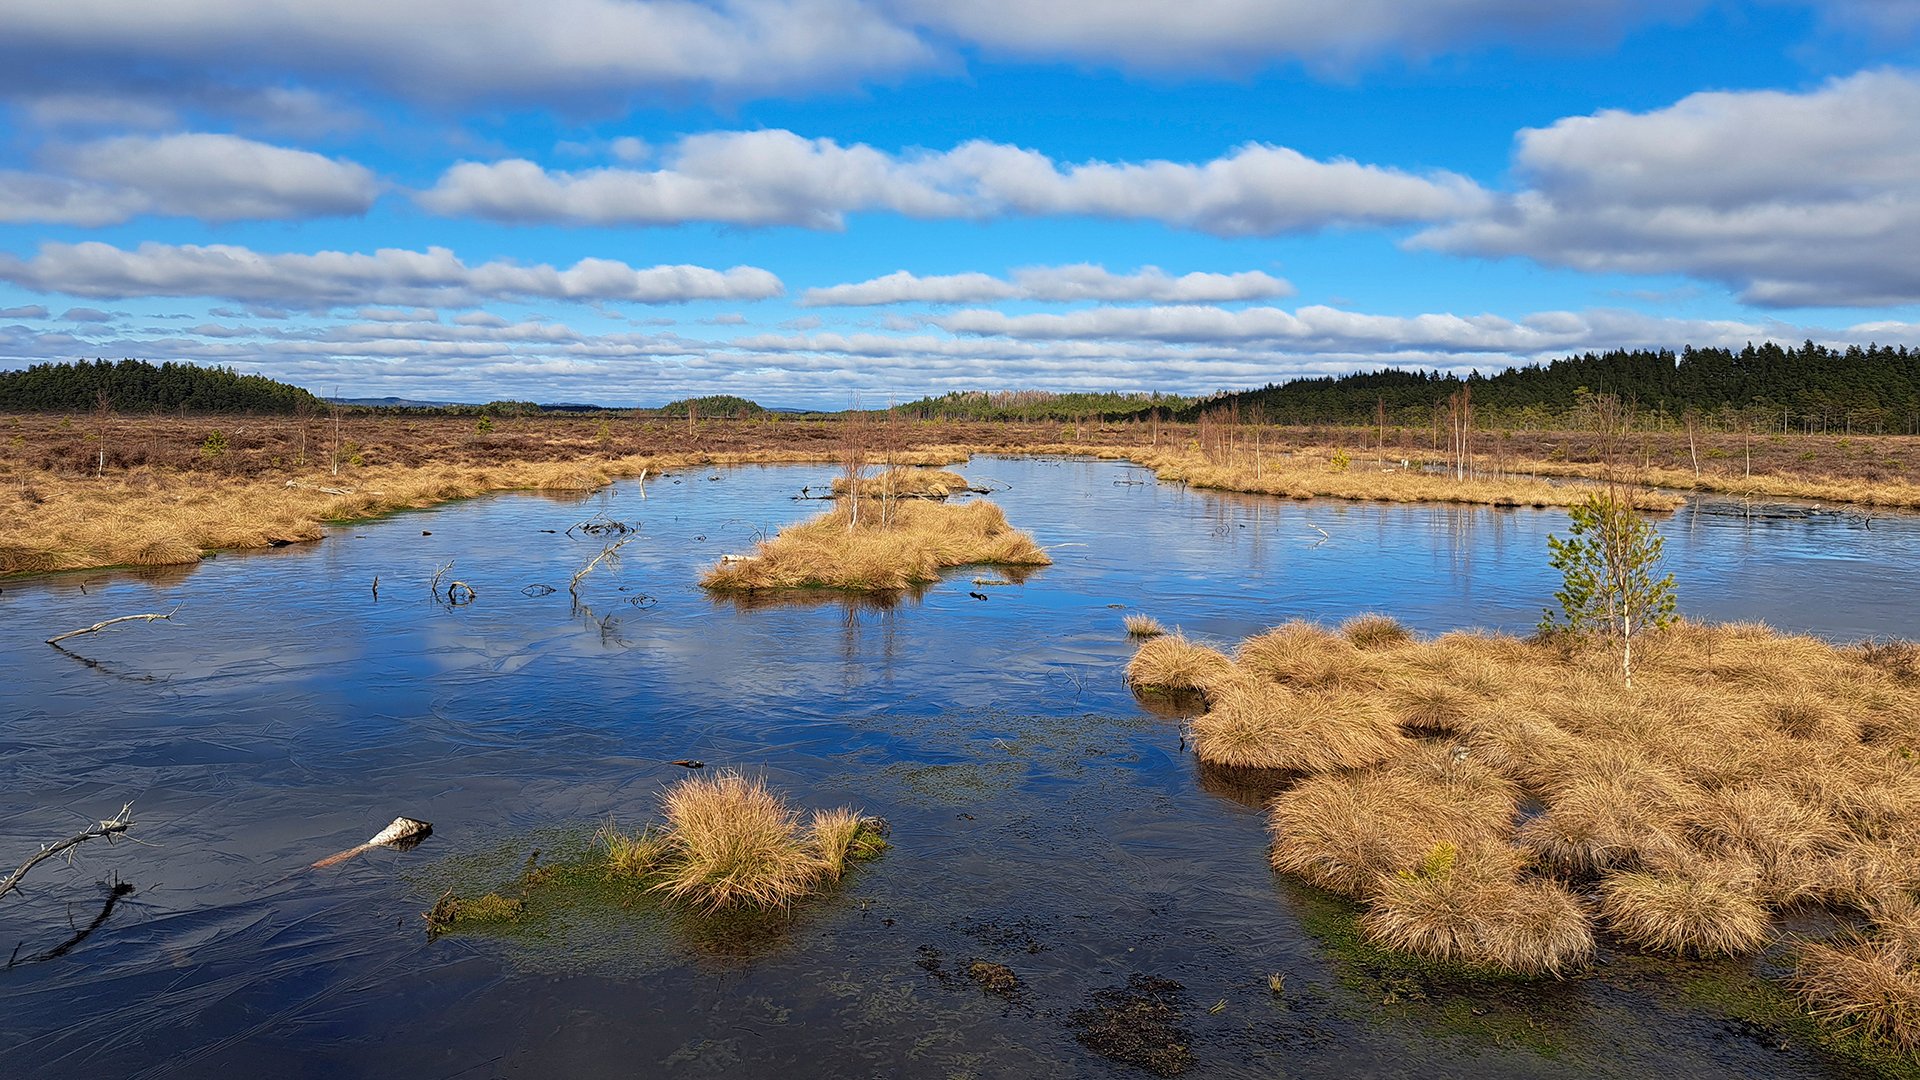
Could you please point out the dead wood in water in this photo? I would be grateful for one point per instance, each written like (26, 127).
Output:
(610, 555)
(102, 625)
(402, 831)
(119, 823)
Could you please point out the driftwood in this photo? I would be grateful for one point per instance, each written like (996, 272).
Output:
(99, 626)
(119, 823)
(610, 555)
(402, 830)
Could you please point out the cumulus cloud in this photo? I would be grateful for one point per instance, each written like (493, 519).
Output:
(1082, 281)
(449, 51)
(387, 277)
(779, 178)
(212, 177)
(1322, 328)
(1186, 350)
(1792, 199)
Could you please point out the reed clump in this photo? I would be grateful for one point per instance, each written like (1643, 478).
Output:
(862, 548)
(1745, 773)
(1143, 626)
(731, 842)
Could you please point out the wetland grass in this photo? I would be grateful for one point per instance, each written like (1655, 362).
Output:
(1143, 626)
(1498, 802)
(908, 545)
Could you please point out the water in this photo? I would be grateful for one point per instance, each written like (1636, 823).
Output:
(1041, 818)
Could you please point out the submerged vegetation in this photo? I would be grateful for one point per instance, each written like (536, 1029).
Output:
(728, 844)
(1496, 802)
(898, 546)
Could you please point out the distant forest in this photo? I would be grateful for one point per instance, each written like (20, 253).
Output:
(1809, 388)
(137, 386)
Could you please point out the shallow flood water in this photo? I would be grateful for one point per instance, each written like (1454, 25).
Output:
(1041, 818)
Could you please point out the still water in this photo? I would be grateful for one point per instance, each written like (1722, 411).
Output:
(1041, 818)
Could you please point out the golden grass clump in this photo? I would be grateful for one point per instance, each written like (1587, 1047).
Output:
(1343, 831)
(907, 545)
(1173, 662)
(1375, 631)
(1695, 907)
(1263, 726)
(907, 483)
(731, 842)
(1302, 654)
(1870, 986)
(1469, 906)
(1143, 626)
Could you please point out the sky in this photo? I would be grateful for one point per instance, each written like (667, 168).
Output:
(813, 202)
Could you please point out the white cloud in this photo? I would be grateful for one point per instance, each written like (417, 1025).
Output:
(779, 178)
(1082, 281)
(592, 51)
(1792, 199)
(1320, 328)
(387, 277)
(1243, 34)
(211, 177)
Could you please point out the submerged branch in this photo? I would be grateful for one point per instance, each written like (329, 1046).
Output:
(119, 823)
(99, 626)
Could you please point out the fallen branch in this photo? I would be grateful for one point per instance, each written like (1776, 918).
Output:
(402, 830)
(99, 626)
(610, 555)
(118, 824)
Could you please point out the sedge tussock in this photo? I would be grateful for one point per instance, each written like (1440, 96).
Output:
(906, 483)
(1342, 831)
(907, 546)
(1372, 630)
(1143, 626)
(1262, 726)
(1172, 662)
(731, 842)
(1865, 986)
(1468, 906)
(844, 837)
(1302, 654)
(1695, 907)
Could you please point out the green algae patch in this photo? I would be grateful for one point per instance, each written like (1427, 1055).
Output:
(1481, 1006)
(1755, 1002)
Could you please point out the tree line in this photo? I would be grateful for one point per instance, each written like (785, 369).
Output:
(138, 386)
(1808, 388)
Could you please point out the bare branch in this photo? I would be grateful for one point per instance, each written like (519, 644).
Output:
(119, 823)
(610, 555)
(99, 626)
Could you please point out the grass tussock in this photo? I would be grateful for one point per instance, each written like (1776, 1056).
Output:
(1375, 631)
(1263, 726)
(1470, 906)
(908, 544)
(1143, 626)
(1869, 986)
(1746, 773)
(1696, 908)
(906, 483)
(1172, 662)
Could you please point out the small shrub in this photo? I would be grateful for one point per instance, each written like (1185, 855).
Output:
(214, 446)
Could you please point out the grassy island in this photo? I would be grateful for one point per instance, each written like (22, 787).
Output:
(1498, 803)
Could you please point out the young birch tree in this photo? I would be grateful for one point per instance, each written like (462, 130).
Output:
(1608, 562)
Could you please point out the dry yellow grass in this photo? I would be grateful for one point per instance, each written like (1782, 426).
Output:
(1869, 985)
(907, 483)
(909, 546)
(1263, 726)
(729, 841)
(1375, 631)
(1143, 626)
(1470, 906)
(1172, 662)
(1697, 907)
(1745, 772)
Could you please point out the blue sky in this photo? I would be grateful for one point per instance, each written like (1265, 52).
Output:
(798, 201)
